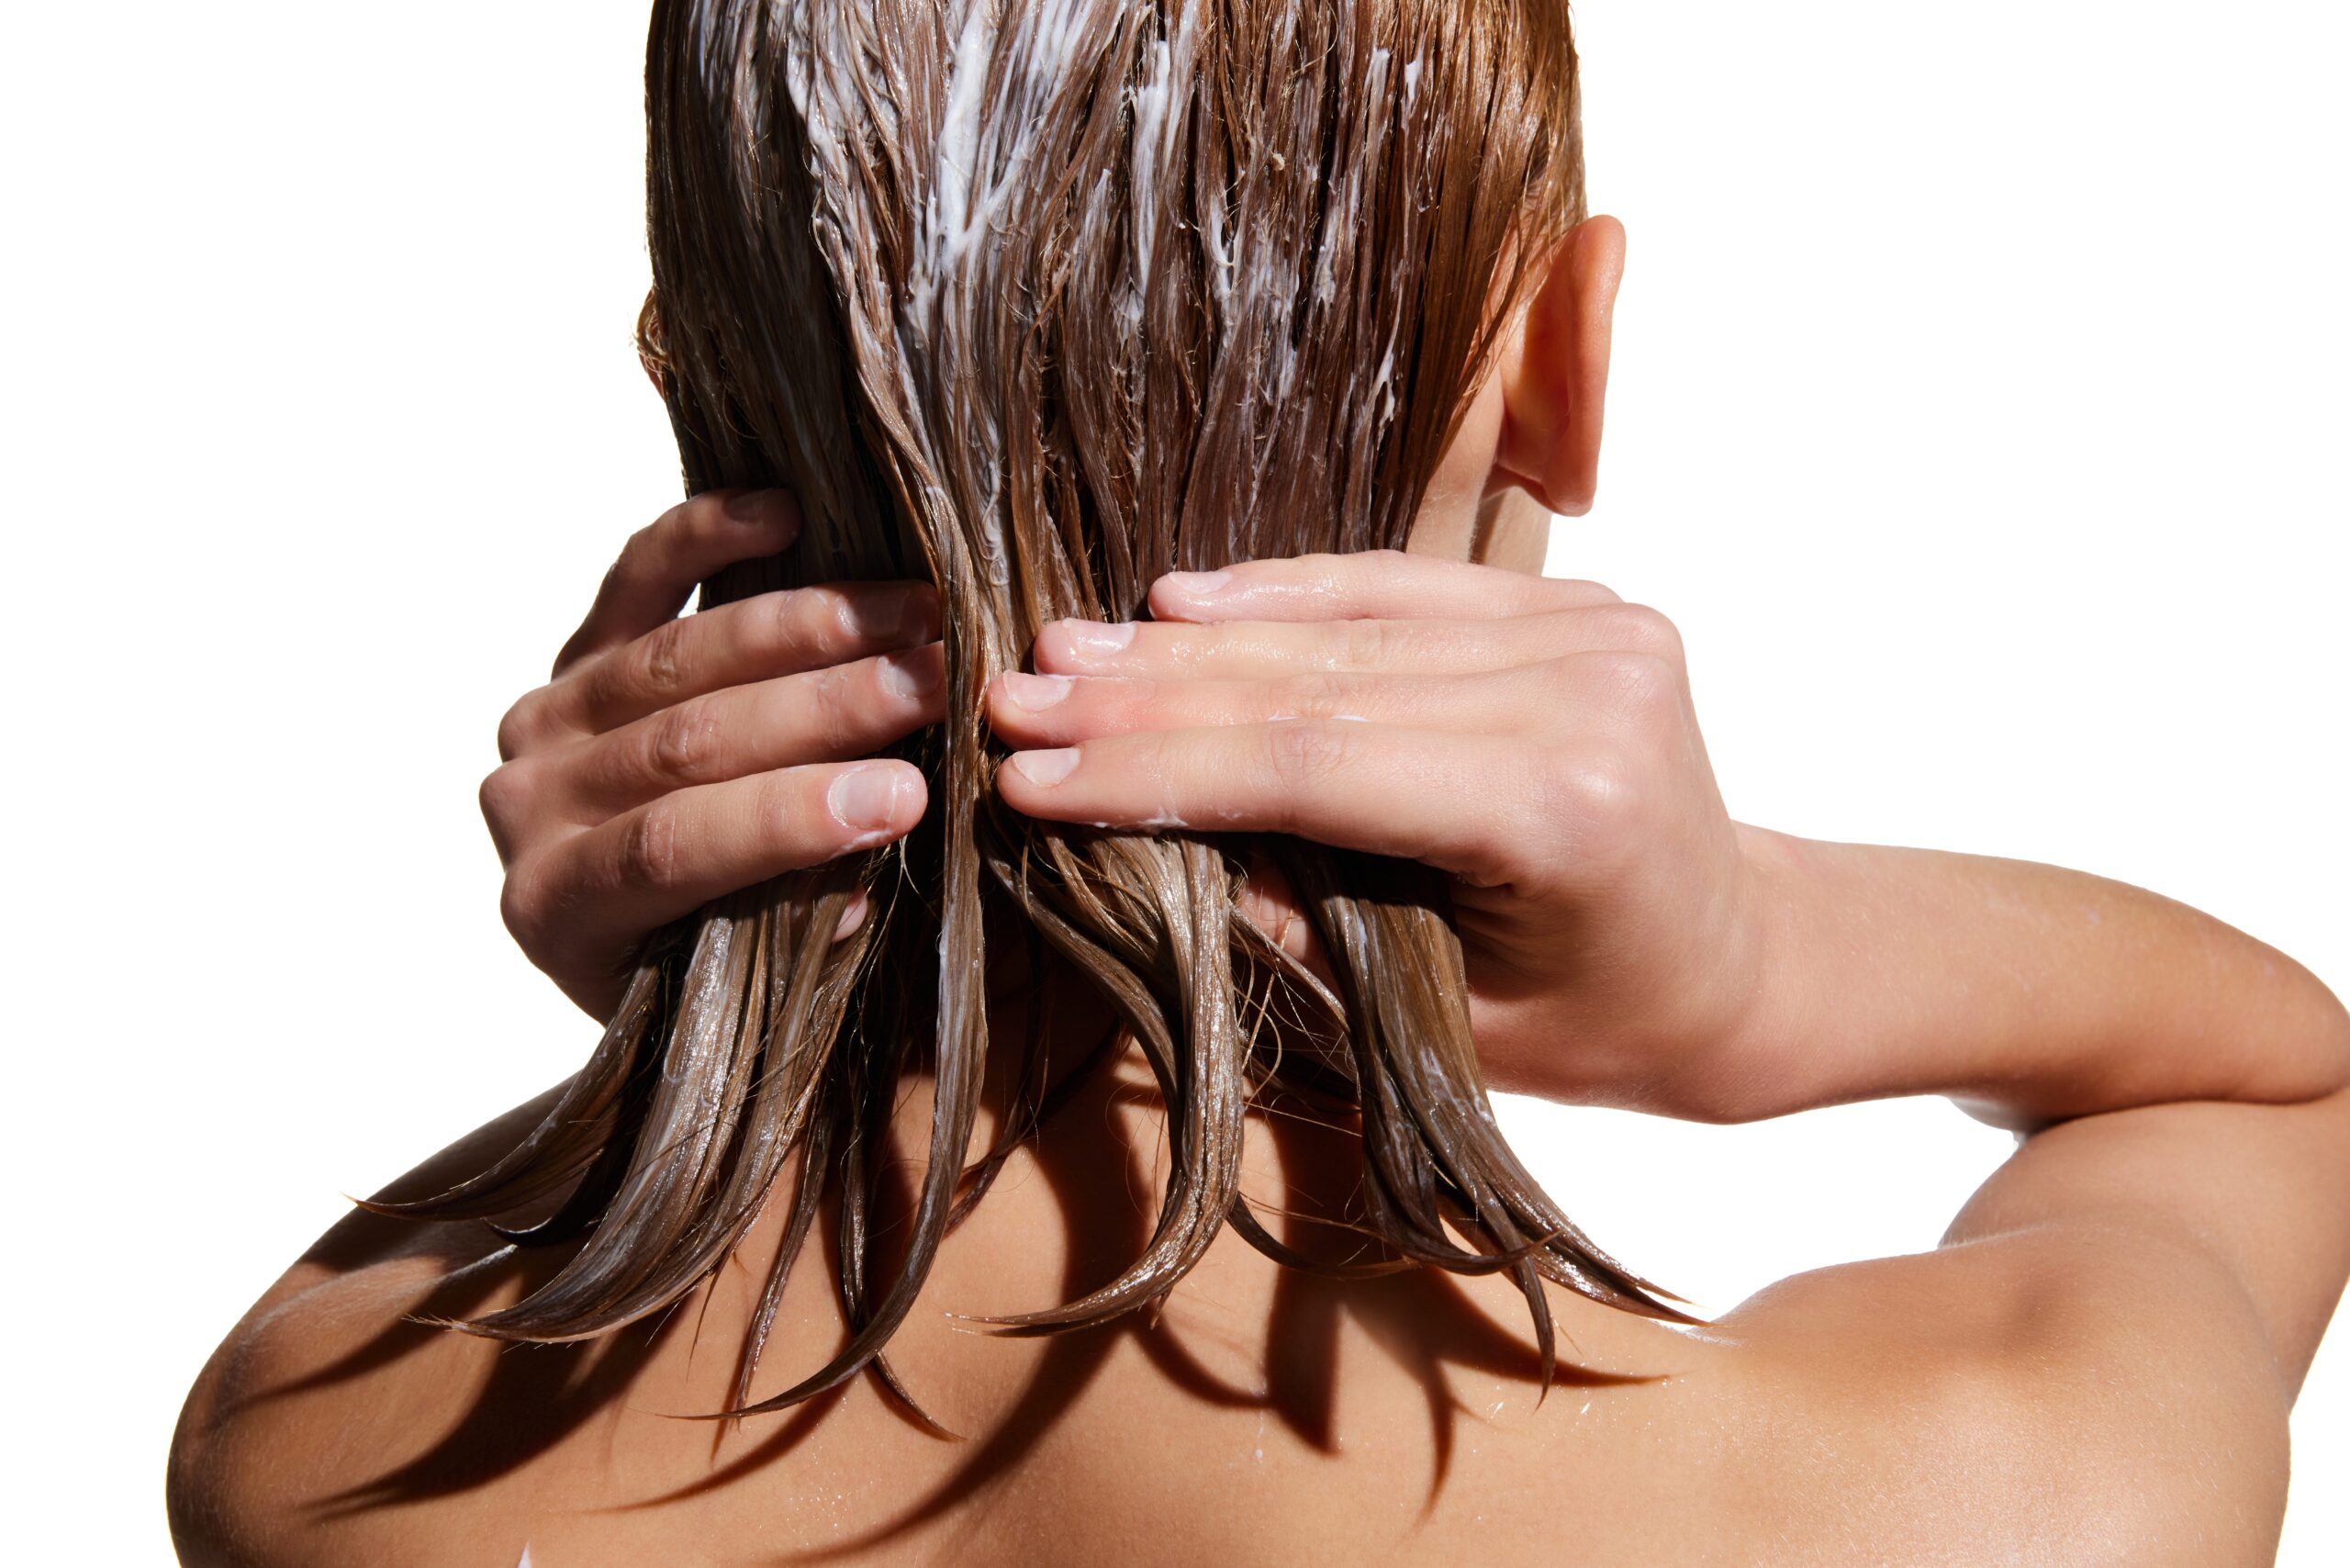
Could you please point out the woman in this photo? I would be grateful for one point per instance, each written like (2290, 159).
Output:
(1077, 294)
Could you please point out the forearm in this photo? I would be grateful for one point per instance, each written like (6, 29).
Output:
(2036, 993)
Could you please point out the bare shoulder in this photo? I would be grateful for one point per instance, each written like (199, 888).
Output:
(2063, 1393)
(2095, 1366)
(281, 1436)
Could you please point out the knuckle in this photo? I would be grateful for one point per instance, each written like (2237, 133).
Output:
(774, 620)
(684, 743)
(522, 905)
(1305, 753)
(519, 729)
(1319, 695)
(623, 682)
(1636, 685)
(826, 712)
(691, 521)
(1647, 631)
(1365, 644)
(848, 699)
(661, 657)
(1596, 796)
(603, 689)
(798, 621)
(648, 853)
(1325, 578)
(506, 797)
(639, 552)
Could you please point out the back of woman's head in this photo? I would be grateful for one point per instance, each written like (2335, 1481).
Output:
(1040, 299)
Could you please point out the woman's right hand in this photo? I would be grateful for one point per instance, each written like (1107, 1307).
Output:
(670, 761)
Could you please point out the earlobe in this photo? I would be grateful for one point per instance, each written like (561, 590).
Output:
(1554, 377)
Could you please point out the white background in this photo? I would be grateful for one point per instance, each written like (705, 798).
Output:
(1979, 416)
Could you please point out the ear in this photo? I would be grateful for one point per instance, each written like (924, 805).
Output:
(1554, 373)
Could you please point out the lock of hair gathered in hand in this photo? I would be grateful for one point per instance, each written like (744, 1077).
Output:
(1039, 300)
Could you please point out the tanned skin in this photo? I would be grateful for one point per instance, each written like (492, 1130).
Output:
(2095, 1367)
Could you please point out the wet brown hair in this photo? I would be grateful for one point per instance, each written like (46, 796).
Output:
(1040, 299)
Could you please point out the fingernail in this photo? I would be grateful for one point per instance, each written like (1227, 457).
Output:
(1195, 584)
(1036, 692)
(915, 672)
(877, 615)
(865, 798)
(1098, 636)
(852, 917)
(1047, 767)
(761, 507)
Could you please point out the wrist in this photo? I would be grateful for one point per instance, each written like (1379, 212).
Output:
(1759, 1061)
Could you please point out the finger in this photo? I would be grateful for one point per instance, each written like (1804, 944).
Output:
(830, 715)
(1371, 584)
(752, 639)
(1271, 901)
(1058, 710)
(660, 563)
(603, 888)
(1377, 787)
(1257, 650)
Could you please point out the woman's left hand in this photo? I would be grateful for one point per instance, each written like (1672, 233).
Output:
(1533, 738)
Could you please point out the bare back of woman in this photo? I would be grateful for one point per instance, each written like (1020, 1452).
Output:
(2095, 1368)
(1136, 913)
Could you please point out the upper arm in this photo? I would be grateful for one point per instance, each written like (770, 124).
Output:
(2098, 1361)
(2243, 1203)
(229, 1449)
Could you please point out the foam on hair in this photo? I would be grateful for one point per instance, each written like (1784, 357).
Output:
(1040, 299)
